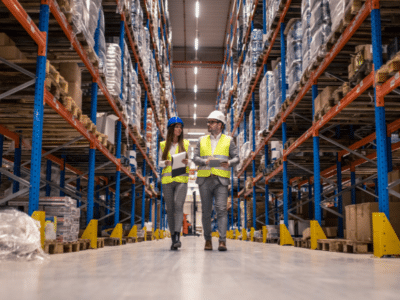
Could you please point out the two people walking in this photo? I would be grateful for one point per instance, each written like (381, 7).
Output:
(213, 180)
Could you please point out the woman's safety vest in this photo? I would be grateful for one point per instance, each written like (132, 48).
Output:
(221, 152)
(167, 171)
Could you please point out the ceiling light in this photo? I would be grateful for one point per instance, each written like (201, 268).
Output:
(196, 43)
(193, 140)
(195, 105)
(194, 116)
(197, 9)
(195, 70)
(195, 88)
(196, 133)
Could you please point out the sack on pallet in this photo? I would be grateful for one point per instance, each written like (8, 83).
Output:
(20, 237)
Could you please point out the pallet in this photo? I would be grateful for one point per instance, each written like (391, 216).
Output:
(302, 243)
(109, 241)
(364, 70)
(129, 240)
(289, 142)
(274, 240)
(84, 244)
(346, 246)
(140, 239)
(100, 242)
(55, 247)
(388, 70)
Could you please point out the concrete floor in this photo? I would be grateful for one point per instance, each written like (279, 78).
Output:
(246, 271)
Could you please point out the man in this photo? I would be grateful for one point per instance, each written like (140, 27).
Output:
(213, 182)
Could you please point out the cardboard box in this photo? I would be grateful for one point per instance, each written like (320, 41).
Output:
(11, 52)
(330, 232)
(307, 233)
(75, 91)
(5, 40)
(364, 219)
(71, 72)
(106, 124)
(351, 222)
(393, 176)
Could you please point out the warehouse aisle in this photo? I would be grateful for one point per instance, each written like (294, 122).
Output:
(247, 271)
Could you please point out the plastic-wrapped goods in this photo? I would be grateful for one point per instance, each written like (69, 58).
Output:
(294, 77)
(320, 25)
(294, 55)
(273, 6)
(256, 125)
(319, 38)
(20, 237)
(337, 9)
(113, 69)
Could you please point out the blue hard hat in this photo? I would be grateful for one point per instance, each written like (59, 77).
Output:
(174, 120)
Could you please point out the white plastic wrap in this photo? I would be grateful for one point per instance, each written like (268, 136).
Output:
(113, 69)
(19, 237)
(337, 10)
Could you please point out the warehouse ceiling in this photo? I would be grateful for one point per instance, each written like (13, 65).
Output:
(212, 27)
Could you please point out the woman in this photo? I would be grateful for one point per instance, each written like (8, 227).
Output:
(174, 188)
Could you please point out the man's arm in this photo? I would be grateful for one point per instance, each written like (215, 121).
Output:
(198, 161)
(233, 154)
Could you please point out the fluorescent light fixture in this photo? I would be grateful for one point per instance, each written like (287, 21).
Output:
(196, 133)
(193, 140)
(194, 116)
(195, 70)
(197, 9)
(195, 105)
(196, 43)
(195, 88)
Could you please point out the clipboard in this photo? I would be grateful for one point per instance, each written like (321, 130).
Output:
(216, 163)
(178, 168)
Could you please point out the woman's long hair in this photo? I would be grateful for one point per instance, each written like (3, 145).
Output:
(170, 137)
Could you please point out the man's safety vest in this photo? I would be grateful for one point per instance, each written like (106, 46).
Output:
(221, 152)
(167, 171)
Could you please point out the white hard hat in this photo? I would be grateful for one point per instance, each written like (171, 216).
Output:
(217, 115)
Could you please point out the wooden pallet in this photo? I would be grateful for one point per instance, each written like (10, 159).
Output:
(140, 239)
(388, 70)
(109, 241)
(273, 240)
(84, 244)
(130, 240)
(100, 242)
(346, 246)
(55, 247)
(364, 70)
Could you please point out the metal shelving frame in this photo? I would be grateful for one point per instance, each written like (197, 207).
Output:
(382, 136)
(42, 96)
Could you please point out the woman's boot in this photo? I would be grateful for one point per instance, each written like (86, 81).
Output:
(177, 240)
(173, 239)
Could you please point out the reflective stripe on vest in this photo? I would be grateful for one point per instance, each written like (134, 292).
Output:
(167, 171)
(220, 152)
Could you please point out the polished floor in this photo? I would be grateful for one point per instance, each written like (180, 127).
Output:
(246, 271)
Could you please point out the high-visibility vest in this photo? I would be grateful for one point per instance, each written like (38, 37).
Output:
(167, 171)
(220, 152)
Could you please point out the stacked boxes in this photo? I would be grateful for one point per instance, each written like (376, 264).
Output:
(8, 50)
(68, 215)
(359, 220)
(256, 124)
(113, 69)
(142, 38)
(85, 16)
(316, 27)
(294, 55)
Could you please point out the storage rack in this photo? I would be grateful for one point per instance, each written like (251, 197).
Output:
(297, 173)
(65, 39)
